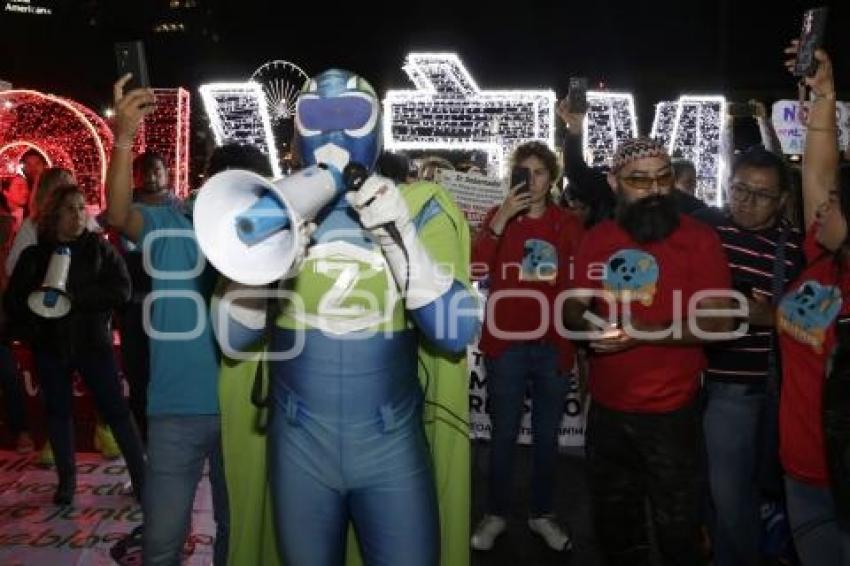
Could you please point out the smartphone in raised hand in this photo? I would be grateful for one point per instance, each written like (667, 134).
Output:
(577, 96)
(521, 176)
(811, 39)
(130, 58)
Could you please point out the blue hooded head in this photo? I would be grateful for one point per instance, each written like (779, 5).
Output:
(337, 119)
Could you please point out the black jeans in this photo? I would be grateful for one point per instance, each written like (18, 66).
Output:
(13, 395)
(101, 377)
(135, 351)
(633, 457)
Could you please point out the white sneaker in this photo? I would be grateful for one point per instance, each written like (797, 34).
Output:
(490, 527)
(549, 530)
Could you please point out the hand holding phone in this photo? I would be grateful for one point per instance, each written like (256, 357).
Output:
(517, 200)
(130, 109)
(822, 83)
(130, 58)
(811, 39)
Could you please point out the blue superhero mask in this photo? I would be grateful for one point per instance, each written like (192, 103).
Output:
(337, 120)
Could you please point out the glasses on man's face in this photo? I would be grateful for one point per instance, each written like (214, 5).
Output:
(646, 183)
(742, 193)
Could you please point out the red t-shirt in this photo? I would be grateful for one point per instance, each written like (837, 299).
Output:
(649, 378)
(533, 256)
(805, 320)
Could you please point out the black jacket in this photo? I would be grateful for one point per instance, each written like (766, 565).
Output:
(587, 184)
(97, 283)
(687, 203)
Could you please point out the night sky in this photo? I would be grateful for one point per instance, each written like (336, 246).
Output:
(657, 50)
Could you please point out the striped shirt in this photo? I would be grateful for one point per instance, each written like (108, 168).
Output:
(752, 256)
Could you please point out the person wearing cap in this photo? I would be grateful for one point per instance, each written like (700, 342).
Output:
(643, 281)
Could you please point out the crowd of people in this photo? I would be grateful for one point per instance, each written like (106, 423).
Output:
(710, 341)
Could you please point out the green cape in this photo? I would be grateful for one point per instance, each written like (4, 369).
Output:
(446, 417)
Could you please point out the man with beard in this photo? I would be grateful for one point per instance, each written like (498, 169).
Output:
(150, 177)
(651, 271)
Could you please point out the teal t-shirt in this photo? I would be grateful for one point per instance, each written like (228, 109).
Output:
(184, 358)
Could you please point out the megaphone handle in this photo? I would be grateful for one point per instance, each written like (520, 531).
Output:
(261, 220)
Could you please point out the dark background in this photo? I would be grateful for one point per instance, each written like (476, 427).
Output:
(657, 50)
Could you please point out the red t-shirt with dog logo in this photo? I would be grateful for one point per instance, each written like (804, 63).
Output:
(526, 268)
(805, 321)
(653, 283)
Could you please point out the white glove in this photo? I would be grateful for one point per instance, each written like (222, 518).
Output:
(305, 230)
(378, 202)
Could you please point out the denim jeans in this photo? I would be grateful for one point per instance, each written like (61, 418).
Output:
(733, 446)
(13, 395)
(178, 446)
(633, 457)
(507, 377)
(100, 375)
(819, 540)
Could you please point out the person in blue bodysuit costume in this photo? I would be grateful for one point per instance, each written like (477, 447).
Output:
(345, 438)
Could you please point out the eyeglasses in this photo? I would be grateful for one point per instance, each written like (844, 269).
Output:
(742, 193)
(646, 183)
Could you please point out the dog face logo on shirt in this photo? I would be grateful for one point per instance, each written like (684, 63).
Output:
(807, 313)
(631, 275)
(539, 262)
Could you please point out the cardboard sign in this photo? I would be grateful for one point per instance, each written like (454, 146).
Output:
(787, 117)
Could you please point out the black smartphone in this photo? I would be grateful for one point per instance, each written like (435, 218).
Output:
(521, 175)
(811, 38)
(130, 58)
(740, 109)
(578, 95)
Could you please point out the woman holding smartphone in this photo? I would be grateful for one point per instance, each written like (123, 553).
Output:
(526, 244)
(806, 319)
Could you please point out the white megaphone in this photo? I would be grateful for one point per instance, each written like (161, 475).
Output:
(51, 300)
(248, 227)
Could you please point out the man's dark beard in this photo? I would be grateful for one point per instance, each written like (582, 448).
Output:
(649, 219)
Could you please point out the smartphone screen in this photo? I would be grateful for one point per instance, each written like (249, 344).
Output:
(578, 95)
(811, 38)
(130, 58)
(521, 175)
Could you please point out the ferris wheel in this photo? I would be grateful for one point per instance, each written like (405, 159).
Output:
(281, 82)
